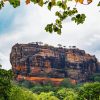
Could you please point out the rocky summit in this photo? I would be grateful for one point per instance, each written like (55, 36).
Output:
(40, 62)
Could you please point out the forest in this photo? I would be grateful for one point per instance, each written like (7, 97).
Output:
(11, 89)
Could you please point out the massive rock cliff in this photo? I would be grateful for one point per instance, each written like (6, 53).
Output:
(44, 61)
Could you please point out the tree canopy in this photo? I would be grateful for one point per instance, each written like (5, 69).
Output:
(65, 11)
(10, 90)
(5, 83)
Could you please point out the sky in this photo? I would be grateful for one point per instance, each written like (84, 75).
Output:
(26, 24)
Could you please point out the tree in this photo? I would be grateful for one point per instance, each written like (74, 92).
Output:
(64, 12)
(18, 93)
(26, 84)
(90, 91)
(71, 95)
(0, 66)
(43, 88)
(59, 45)
(67, 94)
(5, 83)
(95, 77)
(66, 83)
(61, 94)
(47, 96)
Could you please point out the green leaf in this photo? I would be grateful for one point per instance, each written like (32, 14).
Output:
(59, 3)
(53, 2)
(49, 28)
(40, 3)
(60, 25)
(55, 28)
(35, 1)
(65, 14)
(14, 3)
(58, 21)
(78, 16)
(59, 31)
(1, 4)
(73, 18)
(64, 6)
(59, 14)
(98, 4)
(49, 5)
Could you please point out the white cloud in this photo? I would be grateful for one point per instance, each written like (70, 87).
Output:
(4, 61)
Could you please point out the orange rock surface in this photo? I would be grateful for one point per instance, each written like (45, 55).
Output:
(38, 62)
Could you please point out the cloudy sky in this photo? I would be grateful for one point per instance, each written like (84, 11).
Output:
(26, 24)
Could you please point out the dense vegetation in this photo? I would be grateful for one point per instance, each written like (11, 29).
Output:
(25, 90)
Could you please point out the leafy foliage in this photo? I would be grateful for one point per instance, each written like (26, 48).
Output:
(18, 93)
(95, 77)
(57, 26)
(8, 91)
(1, 4)
(79, 18)
(87, 91)
(47, 96)
(90, 91)
(0, 65)
(39, 2)
(67, 84)
(98, 4)
(67, 94)
(64, 13)
(5, 83)
(26, 84)
(47, 88)
(26, 90)
(14, 3)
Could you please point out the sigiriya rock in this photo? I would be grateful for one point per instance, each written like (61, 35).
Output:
(40, 62)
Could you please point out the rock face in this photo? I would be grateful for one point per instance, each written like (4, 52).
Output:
(44, 61)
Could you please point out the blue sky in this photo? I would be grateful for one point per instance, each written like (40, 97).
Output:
(6, 18)
(26, 24)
